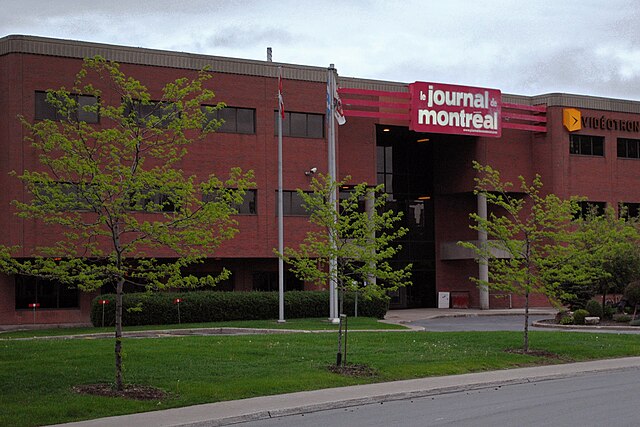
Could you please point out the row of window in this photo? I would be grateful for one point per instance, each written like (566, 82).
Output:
(625, 209)
(590, 145)
(155, 113)
(49, 294)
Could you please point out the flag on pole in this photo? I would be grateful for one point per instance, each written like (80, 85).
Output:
(334, 103)
(337, 107)
(280, 99)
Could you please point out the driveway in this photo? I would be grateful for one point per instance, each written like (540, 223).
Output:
(477, 323)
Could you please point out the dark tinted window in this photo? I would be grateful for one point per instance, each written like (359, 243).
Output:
(629, 148)
(46, 111)
(303, 125)
(587, 145)
(47, 293)
(236, 120)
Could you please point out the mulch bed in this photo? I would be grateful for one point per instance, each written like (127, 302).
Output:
(135, 392)
(353, 370)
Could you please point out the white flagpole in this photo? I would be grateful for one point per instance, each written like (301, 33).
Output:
(280, 205)
(333, 262)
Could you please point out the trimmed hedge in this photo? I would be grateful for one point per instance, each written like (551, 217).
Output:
(215, 306)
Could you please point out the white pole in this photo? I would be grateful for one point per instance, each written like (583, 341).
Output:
(333, 263)
(280, 206)
(483, 265)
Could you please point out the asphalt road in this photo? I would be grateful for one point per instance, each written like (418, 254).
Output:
(592, 399)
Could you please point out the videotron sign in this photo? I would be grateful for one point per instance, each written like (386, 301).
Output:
(573, 120)
(453, 109)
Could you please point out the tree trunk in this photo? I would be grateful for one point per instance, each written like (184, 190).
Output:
(118, 347)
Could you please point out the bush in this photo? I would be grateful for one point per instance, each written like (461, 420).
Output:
(609, 312)
(594, 308)
(579, 315)
(635, 322)
(632, 293)
(621, 318)
(566, 320)
(215, 306)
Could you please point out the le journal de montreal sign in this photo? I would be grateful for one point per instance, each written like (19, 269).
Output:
(453, 109)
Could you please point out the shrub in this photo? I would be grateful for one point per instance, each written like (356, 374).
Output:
(621, 318)
(215, 306)
(579, 315)
(566, 320)
(635, 322)
(608, 312)
(594, 308)
(632, 293)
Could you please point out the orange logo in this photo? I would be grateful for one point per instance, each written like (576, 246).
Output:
(572, 119)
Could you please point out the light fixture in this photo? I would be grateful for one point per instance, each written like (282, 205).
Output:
(386, 130)
(423, 140)
(424, 198)
(311, 171)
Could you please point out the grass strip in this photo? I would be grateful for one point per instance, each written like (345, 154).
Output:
(36, 376)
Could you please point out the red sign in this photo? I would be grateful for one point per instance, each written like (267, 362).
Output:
(34, 305)
(177, 300)
(453, 109)
(104, 301)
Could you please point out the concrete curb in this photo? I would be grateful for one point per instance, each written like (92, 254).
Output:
(225, 413)
(589, 328)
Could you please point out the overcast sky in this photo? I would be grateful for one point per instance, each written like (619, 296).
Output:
(525, 47)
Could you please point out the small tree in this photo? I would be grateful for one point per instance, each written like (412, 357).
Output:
(360, 241)
(526, 225)
(115, 191)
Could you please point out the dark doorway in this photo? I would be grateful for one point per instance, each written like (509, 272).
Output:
(405, 167)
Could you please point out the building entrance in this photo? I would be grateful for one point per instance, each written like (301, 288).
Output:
(405, 167)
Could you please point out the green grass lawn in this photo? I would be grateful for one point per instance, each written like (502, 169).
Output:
(36, 376)
(298, 324)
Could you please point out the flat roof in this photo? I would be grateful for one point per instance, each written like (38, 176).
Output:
(25, 44)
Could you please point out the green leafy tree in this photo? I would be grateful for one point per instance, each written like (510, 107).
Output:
(608, 246)
(116, 192)
(360, 241)
(530, 227)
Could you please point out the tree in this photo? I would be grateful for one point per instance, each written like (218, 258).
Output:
(361, 241)
(115, 191)
(530, 228)
(608, 245)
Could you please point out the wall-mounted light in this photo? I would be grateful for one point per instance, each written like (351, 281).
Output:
(311, 171)
(424, 198)
(386, 130)
(423, 140)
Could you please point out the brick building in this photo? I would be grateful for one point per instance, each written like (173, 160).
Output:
(580, 145)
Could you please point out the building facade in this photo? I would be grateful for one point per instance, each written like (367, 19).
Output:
(580, 145)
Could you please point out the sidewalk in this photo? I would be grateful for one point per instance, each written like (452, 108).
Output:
(224, 413)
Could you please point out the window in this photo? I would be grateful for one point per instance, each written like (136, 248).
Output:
(587, 145)
(628, 210)
(152, 201)
(384, 160)
(65, 196)
(152, 114)
(590, 208)
(629, 148)
(303, 125)
(247, 207)
(291, 204)
(236, 120)
(47, 293)
(46, 111)
(268, 281)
